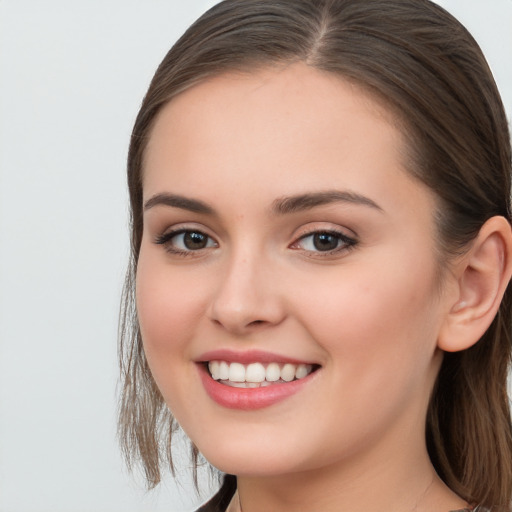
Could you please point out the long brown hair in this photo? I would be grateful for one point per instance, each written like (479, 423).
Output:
(429, 71)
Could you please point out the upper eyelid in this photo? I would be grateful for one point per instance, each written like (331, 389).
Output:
(172, 232)
(183, 227)
(338, 233)
(324, 227)
(304, 231)
(334, 231)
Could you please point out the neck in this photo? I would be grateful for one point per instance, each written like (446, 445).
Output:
(412, 486)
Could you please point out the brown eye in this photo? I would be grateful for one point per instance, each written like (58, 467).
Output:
(194, 240)
(185, 241)
(324, 242)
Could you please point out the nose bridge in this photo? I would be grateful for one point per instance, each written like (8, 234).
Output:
(246, 295)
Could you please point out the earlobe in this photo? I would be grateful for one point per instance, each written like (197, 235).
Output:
(483, 275)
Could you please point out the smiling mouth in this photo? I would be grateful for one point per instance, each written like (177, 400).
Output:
(258, 375)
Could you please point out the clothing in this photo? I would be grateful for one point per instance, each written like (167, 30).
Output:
(221, 501)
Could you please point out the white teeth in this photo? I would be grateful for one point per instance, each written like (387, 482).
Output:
(214, 369)
(301, 371)
(256, 374)
(223, 370)
(288, 372)
(273, 372)
(236, 372)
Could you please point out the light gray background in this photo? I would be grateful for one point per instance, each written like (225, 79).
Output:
(72, 75)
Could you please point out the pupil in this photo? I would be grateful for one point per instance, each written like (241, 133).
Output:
(195, 240)
(325, 242)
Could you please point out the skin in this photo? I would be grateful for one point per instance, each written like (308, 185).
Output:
(370, 314)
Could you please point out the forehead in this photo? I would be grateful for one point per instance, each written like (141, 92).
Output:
(277, 132)
(269, 113)
(290, 84)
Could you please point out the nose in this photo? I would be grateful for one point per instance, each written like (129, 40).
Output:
(247, 296)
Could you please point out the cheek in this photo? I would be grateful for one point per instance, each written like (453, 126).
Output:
(169, 306)
(375, 318)
(380, 341)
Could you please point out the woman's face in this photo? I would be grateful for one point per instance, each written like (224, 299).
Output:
(283, 238)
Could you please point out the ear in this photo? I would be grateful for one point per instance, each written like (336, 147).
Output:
(482, 276)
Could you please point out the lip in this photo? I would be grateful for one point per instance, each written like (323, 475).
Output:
(249, 399)
(247, 357)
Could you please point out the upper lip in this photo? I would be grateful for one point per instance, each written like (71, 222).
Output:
(248, 356)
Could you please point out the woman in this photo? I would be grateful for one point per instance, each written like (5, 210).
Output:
(321, 251)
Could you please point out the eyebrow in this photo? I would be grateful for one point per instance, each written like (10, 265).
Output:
(311, 200)
(177, 201)
(281, 206)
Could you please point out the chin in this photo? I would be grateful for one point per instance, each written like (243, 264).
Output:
(256, 467)
(255, 459)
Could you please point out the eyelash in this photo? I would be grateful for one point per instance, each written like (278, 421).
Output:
(347, 243)
(166, 238)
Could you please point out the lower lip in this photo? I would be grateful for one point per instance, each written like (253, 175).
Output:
(249, 399)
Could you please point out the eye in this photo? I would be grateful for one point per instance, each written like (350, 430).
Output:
(324, 242)
(185, 241)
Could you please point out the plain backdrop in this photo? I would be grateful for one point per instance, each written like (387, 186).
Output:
(72, 75)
